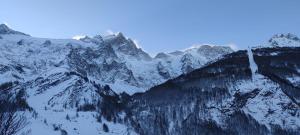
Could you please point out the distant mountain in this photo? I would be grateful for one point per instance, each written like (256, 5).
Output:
(284, 40)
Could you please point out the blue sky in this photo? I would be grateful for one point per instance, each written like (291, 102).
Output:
(158, 25)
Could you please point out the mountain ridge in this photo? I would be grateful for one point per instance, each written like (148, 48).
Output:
(107, 85)
(117, 50)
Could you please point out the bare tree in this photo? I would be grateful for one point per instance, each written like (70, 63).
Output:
(12, 118)
(11, 122)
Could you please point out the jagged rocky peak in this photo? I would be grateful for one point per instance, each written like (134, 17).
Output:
(96, 39)
(126, 46)
(115, 39)
(99, 37)
(4, 29)
(282, 40)
(130, 48)
(120, 35)
(120, 44)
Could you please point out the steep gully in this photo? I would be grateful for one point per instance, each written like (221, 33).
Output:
(253, 65)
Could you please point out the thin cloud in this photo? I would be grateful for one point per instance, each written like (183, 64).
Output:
(233, 46)
(6, 24)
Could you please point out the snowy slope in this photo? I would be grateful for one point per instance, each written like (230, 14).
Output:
(246, 92)
(77, 86)
(61, 76)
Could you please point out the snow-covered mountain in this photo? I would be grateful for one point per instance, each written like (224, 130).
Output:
(61, 78)
(284, 40)
(254, 92)
(90, 85)
(113, 59)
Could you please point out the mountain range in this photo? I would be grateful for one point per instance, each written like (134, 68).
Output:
(108, 85)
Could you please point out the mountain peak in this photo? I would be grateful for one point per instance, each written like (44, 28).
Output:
(3, 26)
(284, 40)
(4, 29)
(120, 34)
(287, 35)
(98, 37)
